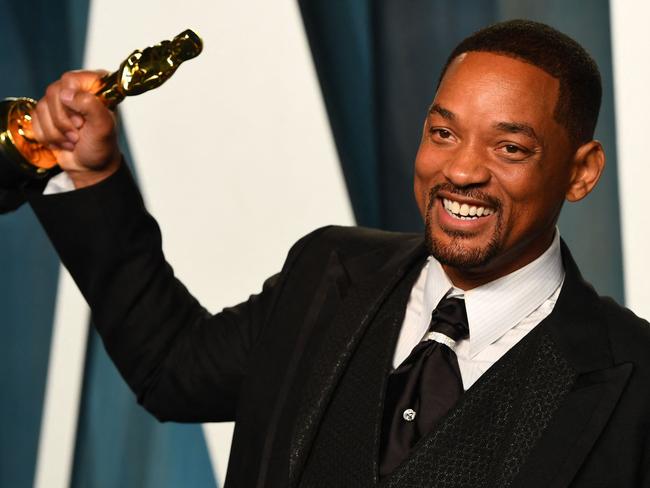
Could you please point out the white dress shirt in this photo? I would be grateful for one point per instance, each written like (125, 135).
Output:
(499, 313)
(60, 183)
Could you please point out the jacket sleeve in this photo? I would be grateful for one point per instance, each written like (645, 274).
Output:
(183, 363)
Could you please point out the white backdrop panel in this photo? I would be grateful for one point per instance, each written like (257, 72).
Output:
(234, 154)
(632, 77)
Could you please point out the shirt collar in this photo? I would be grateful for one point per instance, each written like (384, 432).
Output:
(497, 306)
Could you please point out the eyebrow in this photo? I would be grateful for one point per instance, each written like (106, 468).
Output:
(443, 112)
(510, 127)
(517, 128)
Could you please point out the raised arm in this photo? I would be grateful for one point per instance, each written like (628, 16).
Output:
(183, 363)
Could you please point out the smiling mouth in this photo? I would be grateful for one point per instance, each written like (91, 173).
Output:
(463, 211)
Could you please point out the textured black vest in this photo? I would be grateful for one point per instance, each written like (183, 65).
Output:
(482, 442)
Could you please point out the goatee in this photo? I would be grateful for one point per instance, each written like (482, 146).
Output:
(458, 254)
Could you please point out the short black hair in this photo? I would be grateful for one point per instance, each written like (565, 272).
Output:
(554, 52)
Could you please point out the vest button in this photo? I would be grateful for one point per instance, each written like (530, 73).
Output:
(409, 415)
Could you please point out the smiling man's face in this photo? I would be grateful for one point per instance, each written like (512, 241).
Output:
(493, 167)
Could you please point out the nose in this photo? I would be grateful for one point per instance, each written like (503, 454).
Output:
(466, 167)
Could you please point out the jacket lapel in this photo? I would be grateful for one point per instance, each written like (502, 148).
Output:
(370, 278)
(327, 298)
(580, 334)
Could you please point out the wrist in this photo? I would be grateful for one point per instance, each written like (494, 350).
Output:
(87, 177)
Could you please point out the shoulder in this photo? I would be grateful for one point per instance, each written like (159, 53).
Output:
(315, 249)
(350, 241)
(624, 334)
(629, 334)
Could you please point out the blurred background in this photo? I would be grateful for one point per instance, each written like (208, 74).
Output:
(297, 114)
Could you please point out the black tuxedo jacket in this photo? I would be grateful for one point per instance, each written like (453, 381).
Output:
(272, 362)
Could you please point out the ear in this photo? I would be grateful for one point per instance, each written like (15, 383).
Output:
(588, 164)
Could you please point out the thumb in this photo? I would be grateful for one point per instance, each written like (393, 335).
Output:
(82, 102)
(87, 105)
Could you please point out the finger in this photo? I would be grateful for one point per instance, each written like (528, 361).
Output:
(88, 81)
(77, 120)
(59, 114)
(81, 81)
(90, 108)
(36, 127)
(51, 135)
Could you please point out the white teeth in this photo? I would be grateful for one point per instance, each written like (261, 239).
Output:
(464, 211)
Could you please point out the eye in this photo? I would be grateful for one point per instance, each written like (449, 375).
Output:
(438, 134)
(513, 152)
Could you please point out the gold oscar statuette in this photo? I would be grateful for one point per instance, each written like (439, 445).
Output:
(23, 159)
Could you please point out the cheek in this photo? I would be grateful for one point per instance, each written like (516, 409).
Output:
(528, 201)
(518, 183)
(422, 180)
(419, 191)
(512, 187)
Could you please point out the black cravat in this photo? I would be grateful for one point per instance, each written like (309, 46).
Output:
(424, 387)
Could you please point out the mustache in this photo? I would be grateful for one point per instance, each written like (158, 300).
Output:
(472, 193)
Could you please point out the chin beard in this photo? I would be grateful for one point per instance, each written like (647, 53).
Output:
(457, 254)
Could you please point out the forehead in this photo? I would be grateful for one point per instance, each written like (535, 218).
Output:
(494, 85)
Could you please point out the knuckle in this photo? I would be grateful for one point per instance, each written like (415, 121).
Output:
(54, 135)
(41, 108)
(36, 127)
(52, 90)
(70, 79)
(61, 122)
(67, 80)
(86, 100)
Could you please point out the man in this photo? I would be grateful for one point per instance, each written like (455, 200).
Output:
(474, 355)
